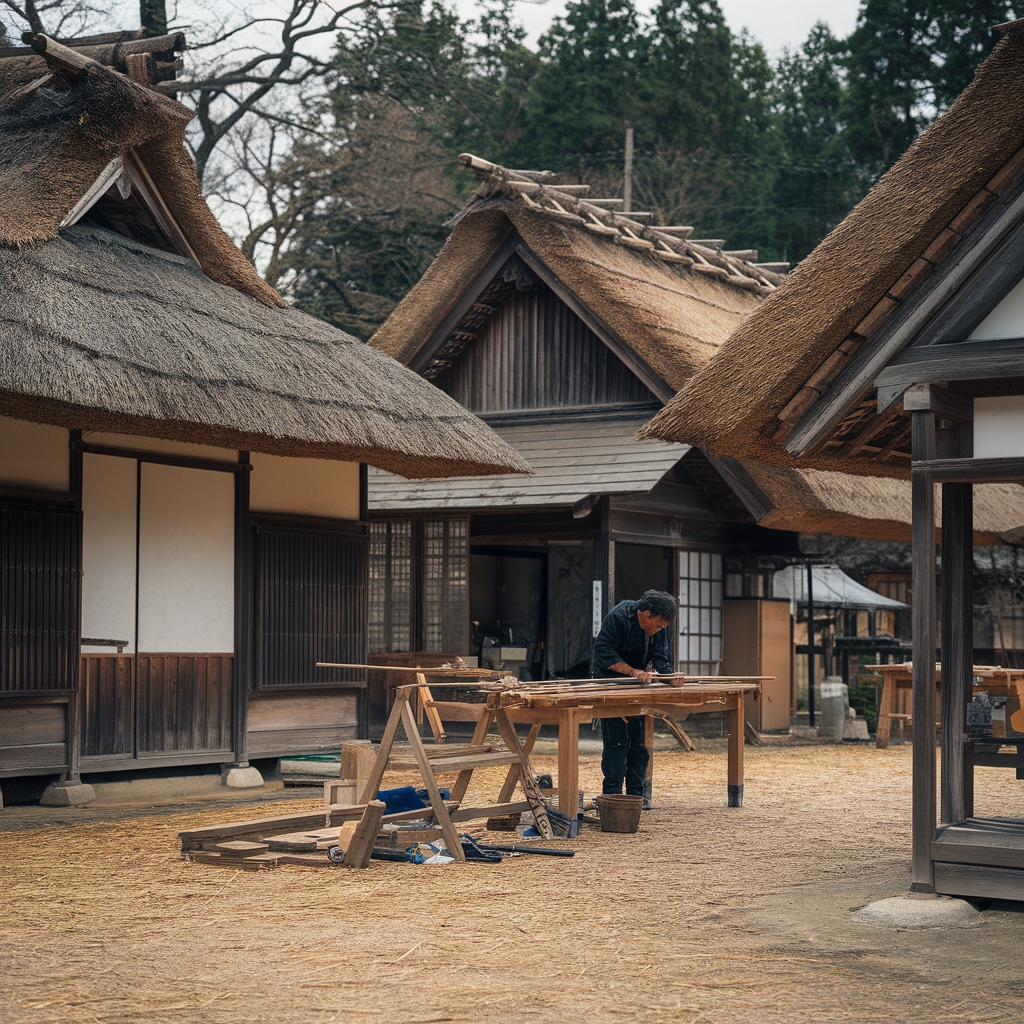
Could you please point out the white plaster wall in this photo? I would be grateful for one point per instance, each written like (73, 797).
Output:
(33, 456)
(186, 561)
(108, 549)
(1006, 320)
(311, 487)
(159, 444)
(999, 427)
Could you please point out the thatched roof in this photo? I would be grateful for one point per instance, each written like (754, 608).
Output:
(669, 300)
(788, 352)
(873, 508)
(102, 332)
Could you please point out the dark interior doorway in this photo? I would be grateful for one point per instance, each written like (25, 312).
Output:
(507, 602)
(639, 567)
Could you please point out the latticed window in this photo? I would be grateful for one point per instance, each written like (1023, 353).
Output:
(390, 588)
(445, 585)
(700, 613)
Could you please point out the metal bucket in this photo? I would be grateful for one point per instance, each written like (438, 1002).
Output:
(619, 813)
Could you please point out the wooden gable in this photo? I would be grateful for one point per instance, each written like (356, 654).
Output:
(527, 350)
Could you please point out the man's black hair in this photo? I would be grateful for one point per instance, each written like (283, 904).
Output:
(658, 603)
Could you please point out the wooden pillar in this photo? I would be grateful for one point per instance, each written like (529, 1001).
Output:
(957, 642)
(74, 711)
(923, 498)
(242, 668)
(604, 563)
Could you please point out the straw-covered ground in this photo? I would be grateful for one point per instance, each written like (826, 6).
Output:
(706, 914)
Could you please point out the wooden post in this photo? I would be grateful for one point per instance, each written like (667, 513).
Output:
(957, 642)
(627, 176)
(568, 761)
(603, 565)
(74, 709)
(242, 663)
(735, 719)
(923, 499)
(810, 645)
(360, 846)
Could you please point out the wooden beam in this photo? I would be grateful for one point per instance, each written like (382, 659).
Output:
(923, 529)
(969, 360)
(941, 401)
(957, 642)
(944, 471)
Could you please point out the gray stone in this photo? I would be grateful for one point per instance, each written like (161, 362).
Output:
(835, 708)
(70, 793)
(919, 911)
(243, 778)
(855, 729)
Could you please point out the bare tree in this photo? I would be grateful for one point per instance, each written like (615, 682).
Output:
(55, 17)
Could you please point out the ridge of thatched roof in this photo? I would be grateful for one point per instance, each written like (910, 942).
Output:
(99, 332)
(873, 508)
(669, 299)
(788, 352)
(59, 131)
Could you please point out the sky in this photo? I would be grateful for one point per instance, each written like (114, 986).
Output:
(775, 23)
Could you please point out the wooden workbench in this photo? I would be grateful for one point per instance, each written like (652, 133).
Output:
(565, 706)
(897, 683)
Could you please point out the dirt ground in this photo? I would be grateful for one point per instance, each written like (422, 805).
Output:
(707, 914)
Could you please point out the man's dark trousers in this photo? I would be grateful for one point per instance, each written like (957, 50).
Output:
(625, 756)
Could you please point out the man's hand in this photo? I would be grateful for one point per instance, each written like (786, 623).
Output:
(644, 677)
(627, 670)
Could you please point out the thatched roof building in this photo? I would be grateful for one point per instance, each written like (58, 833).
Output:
(797, 378)
(126, 308)
(659, 299)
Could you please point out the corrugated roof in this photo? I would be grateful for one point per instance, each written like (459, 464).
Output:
(832, 589)
(571, 459)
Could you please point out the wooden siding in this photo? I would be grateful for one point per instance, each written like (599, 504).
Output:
(184, 702)
(311, 605)
(301, 723)
(33, 737)
(107, 705)
(40, 569)
(535, 353)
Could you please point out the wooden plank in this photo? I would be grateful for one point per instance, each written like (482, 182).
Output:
(383, 753)
(923, 562)
(260, 862)
(531, 791)
(988, 856)
(969, 360)
(267, 826)
(426, 703)
(458, 764)
(240, 848)
(1008, 470)
(491, 810)
(360, 846)
(509, 785)
(451, 837)
(979, 882)
(957, 641)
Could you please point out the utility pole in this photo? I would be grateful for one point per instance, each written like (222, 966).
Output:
(627, 178)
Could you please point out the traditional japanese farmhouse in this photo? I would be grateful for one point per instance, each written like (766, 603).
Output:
(564, 325)
(897, 348)
(183, 529)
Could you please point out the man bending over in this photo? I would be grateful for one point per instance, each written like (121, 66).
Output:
(633, 641)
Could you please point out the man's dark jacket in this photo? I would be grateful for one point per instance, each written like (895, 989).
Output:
(622, 639)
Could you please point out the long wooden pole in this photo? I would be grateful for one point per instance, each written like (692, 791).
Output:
(549, 682)
(923, 699)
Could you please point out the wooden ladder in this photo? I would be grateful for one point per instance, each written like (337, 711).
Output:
(465, 759)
